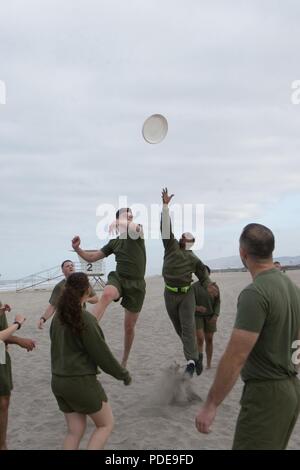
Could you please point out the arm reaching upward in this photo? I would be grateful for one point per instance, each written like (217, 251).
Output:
(165, 223)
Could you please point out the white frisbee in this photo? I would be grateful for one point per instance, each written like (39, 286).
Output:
(155, 129)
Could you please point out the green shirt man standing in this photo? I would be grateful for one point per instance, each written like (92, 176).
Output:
(261, 349)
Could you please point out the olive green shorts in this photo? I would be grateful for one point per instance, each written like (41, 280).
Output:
(203, 323)
(132, 291)
(79, 394)
(269, 411)
(6, 383)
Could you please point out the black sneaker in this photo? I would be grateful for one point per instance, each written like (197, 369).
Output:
(190, 369)
(199, 364)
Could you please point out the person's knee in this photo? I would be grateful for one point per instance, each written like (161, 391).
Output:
(110, 293)
(108, 424)
(77, 430)
(4, 404)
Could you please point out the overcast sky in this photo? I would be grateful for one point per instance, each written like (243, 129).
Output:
(82, 76)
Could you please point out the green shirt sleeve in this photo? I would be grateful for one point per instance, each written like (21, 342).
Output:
(108, 248)
(93, 340)
(251, 311)
(201, 273)
(55, 295)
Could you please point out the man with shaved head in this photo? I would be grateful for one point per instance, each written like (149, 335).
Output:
(261, 348)
(179, 265)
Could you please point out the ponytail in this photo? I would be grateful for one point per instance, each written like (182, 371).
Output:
(69, 309)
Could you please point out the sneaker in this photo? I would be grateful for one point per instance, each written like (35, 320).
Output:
(199, 364)
(190, 368)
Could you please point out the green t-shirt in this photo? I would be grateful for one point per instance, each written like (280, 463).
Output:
(179, 264)
(77, 355)
(56, 293)
(203, 299)
(270, 306)
(130, 256)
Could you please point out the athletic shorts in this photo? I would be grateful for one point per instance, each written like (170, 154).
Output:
(6, 383)
(132, 291)
(269, 411)
(79, 394)
(202, 323)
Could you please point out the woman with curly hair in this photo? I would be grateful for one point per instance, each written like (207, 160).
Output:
(78, 348)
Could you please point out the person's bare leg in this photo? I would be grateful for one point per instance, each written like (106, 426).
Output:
(4, 404)
(209, 348)
(130, 320)
(109, 294)
(104, 422)
(200, 340)
(76, 423)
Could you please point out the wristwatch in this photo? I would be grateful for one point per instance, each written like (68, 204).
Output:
(17, 323)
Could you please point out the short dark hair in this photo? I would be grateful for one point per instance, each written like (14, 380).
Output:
(120, 211)
(277, 262)
(207, 269)
(258, 241)
(66, 261)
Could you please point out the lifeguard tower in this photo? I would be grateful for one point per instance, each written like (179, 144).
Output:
(95, 271)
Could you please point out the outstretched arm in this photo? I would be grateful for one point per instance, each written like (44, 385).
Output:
(25, 343)
(6, 334)
(94, 342)
(165, 223)
(88, 256)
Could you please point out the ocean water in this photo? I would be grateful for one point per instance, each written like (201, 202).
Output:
(7, 285)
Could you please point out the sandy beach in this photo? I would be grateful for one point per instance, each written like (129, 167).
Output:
(145, 417)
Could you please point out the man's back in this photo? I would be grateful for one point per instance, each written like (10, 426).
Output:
(270, 306)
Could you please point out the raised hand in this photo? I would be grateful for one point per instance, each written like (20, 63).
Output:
(165, 197)
(76, 242)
